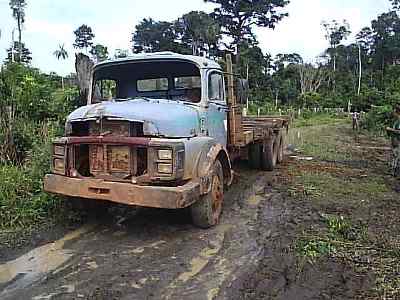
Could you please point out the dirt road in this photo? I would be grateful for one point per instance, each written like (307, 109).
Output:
(155, 254)
(324, 225)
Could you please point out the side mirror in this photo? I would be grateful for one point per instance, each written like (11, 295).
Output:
(242, 90)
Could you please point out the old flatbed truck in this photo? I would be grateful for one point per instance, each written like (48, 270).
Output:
(162, 130)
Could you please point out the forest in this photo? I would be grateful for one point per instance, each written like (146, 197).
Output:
(323, 223)
(363, 75)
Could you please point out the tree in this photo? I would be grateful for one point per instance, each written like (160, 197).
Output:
(18, 12)
(84, 67)
(83, 37)
(335, 33)
(365, 38)
(99, 52)
(312, 77)
(395, 4)
(200, 31)
(281, 60)
(19, 53)
(61, 53)
(121, 53)
(238, 17)
(155, 36)
(387, 37)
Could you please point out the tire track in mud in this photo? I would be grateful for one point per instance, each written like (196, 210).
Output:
(158, 254)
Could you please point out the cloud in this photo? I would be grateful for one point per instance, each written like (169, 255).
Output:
(302, 32)
(50, 23)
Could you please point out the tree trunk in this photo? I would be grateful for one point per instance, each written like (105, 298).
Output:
(334, 62)
(20, 36)
(359, 70)
(238, 57)
(84, 69)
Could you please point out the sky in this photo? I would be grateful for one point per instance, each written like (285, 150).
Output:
(50, 23)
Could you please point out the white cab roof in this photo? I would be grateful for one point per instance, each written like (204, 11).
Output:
(201, 62)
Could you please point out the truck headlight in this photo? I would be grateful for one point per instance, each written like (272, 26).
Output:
(165, 154)
(59, 155)
(59, 164)
(164, 168)
(59, 150)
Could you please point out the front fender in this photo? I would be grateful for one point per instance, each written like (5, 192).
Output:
(208, 152)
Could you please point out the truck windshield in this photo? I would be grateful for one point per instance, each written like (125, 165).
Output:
(157, 79)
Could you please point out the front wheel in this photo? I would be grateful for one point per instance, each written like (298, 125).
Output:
(207, 210)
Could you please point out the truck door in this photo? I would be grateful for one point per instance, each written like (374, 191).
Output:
(217, 112)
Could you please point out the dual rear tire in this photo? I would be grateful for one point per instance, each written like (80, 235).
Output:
(267, 154)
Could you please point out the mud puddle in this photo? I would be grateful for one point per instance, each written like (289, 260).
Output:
(34, 265)
(154, 255)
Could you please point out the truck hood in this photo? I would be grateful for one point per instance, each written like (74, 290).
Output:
(160, 117)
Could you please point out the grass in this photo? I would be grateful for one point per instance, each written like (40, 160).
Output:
(339, 187)
(347, 183)
(22, 203)
(318, 120)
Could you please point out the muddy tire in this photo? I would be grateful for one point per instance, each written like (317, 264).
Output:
(255, 156)
(207, 210)
(268, 155)
(281, 148)
(396, 171)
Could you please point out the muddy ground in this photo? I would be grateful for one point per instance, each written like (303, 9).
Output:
(324, 225)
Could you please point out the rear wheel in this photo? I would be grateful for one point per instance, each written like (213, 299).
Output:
(255, 155)
(207, 210)
(281, 148)
(268, 155)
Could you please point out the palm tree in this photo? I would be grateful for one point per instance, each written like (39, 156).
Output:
(61, 53)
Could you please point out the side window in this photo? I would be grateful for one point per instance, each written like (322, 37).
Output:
(215, 87)
(104, 90)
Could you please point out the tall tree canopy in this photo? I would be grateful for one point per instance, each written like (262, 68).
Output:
(335, 33)
(61, 53)
(19, 53)
(200, 31)
(18, 12)
(155, 36)
(99, 52)
(83, 37)
(395, 4)
(238, 17)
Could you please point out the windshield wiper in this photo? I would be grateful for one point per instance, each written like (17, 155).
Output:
(133, 98)
(188, 103)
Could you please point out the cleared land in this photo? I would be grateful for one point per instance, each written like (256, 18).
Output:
(324, 225)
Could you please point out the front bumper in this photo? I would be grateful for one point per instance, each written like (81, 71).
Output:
(124, 193)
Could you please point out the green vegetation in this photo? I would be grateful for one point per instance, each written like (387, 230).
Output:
(33, 107)
(348, 186)
(378, 119)
(307, 120)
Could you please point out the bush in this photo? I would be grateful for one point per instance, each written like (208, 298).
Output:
(22, 200)
(378, 118)
(32, 112)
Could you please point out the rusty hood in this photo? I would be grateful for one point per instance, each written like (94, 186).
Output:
(160, 117)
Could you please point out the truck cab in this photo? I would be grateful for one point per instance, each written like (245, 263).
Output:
(154, 133)
(162, 130)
